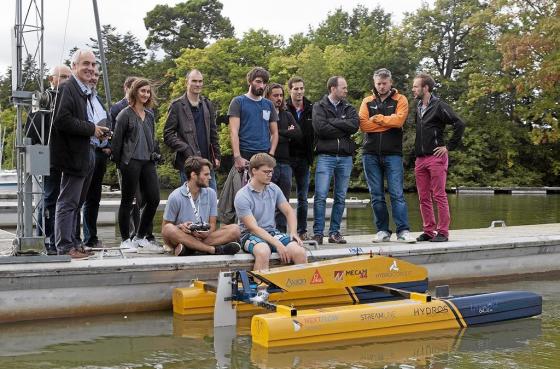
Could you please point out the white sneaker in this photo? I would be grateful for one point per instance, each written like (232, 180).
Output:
(128, 246)
(149, 247)
(405, 236)
(139, 242)
(382, 236)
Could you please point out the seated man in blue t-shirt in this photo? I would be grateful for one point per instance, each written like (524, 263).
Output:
(255, 205)
(189, 219)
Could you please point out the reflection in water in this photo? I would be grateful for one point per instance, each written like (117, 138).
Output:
(412, 349)
(469, 211)
(161, 340)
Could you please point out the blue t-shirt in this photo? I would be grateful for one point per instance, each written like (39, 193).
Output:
(179, 209)
(255, 118)
(261, 205)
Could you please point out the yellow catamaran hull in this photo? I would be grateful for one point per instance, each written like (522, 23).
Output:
(331, 282)
(347, 299)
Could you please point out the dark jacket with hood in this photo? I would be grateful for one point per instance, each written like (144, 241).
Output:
(430, 127)
(333, 127)
(70, 138)
(302, 148)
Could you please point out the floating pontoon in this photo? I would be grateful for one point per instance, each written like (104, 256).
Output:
(343, 299)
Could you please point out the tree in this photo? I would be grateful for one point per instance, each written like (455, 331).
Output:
(296, 44)
(443, 34)
(513, 92)
(5, 89)
(124, 57)
(313, 69)
(189, 25)
(8, 123)
(257, 46)
(531, 53)
(340, 26)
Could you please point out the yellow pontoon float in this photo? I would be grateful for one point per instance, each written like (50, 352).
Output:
(342, 299)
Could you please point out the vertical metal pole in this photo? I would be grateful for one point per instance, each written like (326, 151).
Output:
(17, 84)
(102, 56)
(40, 197)
(28, 196)
(26, 175)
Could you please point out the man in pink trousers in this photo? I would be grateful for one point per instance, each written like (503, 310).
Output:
(432, 115)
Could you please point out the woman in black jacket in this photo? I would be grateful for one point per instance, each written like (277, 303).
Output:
(134, 152)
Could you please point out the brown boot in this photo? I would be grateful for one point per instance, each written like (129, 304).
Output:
(76, 254)
(318, 238)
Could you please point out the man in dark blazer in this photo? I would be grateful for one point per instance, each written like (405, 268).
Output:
(190, 128)
(71, 150)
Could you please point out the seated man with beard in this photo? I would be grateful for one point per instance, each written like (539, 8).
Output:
(189, 219)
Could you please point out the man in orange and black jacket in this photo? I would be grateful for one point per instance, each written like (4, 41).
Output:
(382, 117)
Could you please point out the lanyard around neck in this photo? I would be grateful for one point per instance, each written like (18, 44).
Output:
(195, 208)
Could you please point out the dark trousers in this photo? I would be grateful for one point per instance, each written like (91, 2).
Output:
(300, 169)
(248, 154)
(138, 174)
(93, 197)
(73, 191)
(52, 189)
(282, 177)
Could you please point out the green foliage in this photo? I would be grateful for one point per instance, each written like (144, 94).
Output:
(340, 26)
(296, 44)
(124, 57)
(8, 123)
(189, 25)
(225, 142)
(444, 35)
(5, 89)
(313, 69)
(497, 62)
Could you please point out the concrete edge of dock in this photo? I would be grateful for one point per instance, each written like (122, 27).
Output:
(93, 287)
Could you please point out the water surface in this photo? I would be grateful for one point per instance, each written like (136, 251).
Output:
(159, 340)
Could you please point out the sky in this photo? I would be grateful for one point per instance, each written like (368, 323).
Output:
(70, 23)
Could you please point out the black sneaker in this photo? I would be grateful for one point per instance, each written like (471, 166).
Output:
(230, 248)
(318, 238)
(336, 238)
(439, 238)
(97, 244)
(303, 236)
(424, 237)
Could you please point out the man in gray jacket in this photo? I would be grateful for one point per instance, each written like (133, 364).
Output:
(190, 128)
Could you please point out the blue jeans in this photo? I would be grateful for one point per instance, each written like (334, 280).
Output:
(327, 166)
(300, 169)
(213, 183)
(376, 168)
(282, 176)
